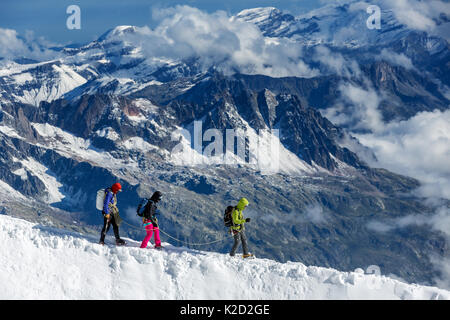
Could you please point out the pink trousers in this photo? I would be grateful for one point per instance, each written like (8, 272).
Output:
(149, 228)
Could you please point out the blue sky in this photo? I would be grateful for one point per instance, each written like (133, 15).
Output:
(47, 18)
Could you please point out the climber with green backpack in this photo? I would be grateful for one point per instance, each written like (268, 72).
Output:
(234, 219)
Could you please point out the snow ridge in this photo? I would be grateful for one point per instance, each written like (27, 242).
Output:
(41, 262)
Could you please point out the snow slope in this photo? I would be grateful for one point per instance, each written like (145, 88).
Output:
(40, 262)
(334, 23)
(34, 83)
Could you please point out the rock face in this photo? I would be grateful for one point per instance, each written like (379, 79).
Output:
(102, 114)
(230, 102)
(92, 151)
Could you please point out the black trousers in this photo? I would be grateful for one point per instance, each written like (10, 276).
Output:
(243, 238)
(107, 225)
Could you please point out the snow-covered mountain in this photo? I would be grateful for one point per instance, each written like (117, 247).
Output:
(338, 25)
(109, 110)
(37, 82)
(43, 262)
(336, 39)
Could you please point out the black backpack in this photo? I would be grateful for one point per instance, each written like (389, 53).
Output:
(227, 218)
(146, 203)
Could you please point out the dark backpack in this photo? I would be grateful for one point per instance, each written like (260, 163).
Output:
(141, 204)
(227, 217)
(149, 209)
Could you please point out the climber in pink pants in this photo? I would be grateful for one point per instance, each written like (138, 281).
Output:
(149, 219)
(149, 228)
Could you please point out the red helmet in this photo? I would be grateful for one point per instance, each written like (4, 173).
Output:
(116, 187)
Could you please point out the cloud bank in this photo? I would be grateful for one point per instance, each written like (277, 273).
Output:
(421, 15)
(357, 108)
(439, 221)
(418, 147)
(311, 214)
(336, 62)
(415, 14)
(13, 46)
(221, 41)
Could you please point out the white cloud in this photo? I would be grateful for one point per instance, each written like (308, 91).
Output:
(414, 14)
(364, 153)
(357, 108)
(9, 43)
(398, 59)
(418, 15)
(379, 226)
(315, 214)
(418, 147)
(219, 40)
(14, 46)
(336, 62)
(439, 221)
(443, 265)
(421, 15)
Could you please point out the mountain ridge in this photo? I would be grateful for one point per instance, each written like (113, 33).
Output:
(76, 267)
(106, 112)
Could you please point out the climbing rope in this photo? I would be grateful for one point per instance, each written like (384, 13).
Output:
(188, 243)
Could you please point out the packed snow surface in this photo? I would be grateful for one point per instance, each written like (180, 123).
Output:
(41, 262)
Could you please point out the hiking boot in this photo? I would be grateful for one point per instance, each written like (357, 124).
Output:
(120, 242)
(248, 255)
(158, 247)
(101, 242)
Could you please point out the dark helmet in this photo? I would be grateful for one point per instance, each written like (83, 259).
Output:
(156, 196)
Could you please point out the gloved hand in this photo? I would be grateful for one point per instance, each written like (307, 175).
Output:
(247, 220)
(106, 215)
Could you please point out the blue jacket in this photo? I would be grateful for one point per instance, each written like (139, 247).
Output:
(109, 199)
